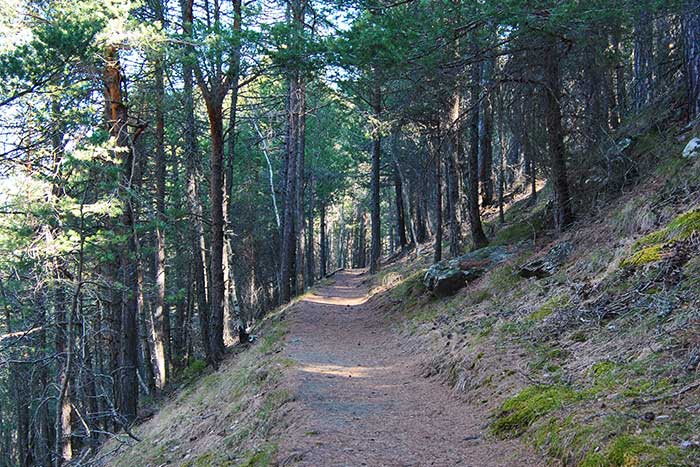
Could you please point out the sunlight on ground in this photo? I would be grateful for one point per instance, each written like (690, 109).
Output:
(339, 370)
(342, 301)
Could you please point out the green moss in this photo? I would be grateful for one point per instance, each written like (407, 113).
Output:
(272, 339)
(519, 412)
(594, 459)
(540, 314)
(514, 234)
(649, 248)
(548, 307)
(511, 327)
(670, 166)
(194, 369)
(605, 375)
(260, 458)
(410, 287)
(579, 336)
(548, 437)
(602, 369)
(504, 277)
(652, 239)
(650, 254)
(627, 450)
(480, 296)
(646, 388)
(683, 226)
(210, 459)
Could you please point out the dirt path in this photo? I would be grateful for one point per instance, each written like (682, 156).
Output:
(360, 401)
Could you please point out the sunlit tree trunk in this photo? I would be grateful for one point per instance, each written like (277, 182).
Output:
(161, 321)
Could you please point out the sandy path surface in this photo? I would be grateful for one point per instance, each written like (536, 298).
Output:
(359, 399)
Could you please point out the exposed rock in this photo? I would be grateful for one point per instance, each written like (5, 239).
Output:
(549, 263)
(620, 147)
(448, 276)
(692, 149)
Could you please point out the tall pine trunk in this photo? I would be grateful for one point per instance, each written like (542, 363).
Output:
(323, 256)
(479, 239)
(691, 34)
(299, 188)
(563, 215)
(288, 240)
(486, 135)
(437, 161)
(643, 60)
(310, 261)
(192, 172)
(216, 181)
(161, 319)
(376, 247)
(127, 379)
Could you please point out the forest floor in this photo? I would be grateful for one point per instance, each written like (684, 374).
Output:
(358, 397)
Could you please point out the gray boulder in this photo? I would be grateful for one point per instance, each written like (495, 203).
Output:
(547, 264)
(449, 276)
(692, 149)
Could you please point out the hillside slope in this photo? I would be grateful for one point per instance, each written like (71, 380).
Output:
(594, 363)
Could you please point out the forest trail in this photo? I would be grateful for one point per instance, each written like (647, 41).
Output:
(358, 399)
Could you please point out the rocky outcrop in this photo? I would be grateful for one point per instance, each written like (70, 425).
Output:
(447, 277)
(692, 149)
(547, 264)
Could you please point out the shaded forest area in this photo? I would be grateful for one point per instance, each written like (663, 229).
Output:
(170, 172)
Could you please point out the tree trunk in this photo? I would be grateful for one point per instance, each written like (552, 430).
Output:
(620, 89)
(691, 34)
(421, 233)
(486, 136)
(323, 257)
(127, 403)
(216, 181)
(192, 171)
(288, 241)
(299, 189)
(231, 322)
(479, 239)
(643, 60)
(376, 249)
(310, 262)
(161, 320)
(437, 160)
(452, 180)
(563, 215)
(400, 210)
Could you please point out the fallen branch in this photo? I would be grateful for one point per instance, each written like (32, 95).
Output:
(680, 392)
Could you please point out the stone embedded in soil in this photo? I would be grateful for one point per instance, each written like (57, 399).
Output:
(449, 276)
(692, 149)
(548, 264)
